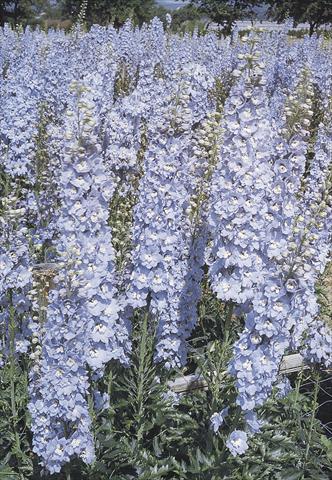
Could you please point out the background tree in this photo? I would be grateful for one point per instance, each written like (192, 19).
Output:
(226, 12)
(22, 11)
(12, 11)
(314, 12)
(183, 17)
(110, 11)
(2, 12)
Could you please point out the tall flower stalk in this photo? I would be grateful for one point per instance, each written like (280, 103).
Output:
(84, 325)
(285, 303)
(240, 186)
(161, 225)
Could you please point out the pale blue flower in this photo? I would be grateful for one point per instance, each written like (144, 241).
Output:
(237, 443)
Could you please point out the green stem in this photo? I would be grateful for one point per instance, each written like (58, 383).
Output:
(228, 320)
(312, 419)
(12, 372)
(141, 372)
(67, 472)
(296, 399)
(110, 383)
(297, 386)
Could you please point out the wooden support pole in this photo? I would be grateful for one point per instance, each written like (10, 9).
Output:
(290, 364)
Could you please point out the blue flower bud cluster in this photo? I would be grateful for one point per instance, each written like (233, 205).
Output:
(318, 345)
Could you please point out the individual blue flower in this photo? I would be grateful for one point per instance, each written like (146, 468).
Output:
(253, 422)
(217, 419)
(237, 443)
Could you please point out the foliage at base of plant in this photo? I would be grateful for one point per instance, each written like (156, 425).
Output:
(150, 432)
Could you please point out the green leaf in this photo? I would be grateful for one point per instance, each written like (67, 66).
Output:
(290, 474)
(328, 445)
(6, 473)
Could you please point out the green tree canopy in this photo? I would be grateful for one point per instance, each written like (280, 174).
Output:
(14, 11)
(314, 12)
(21, 11)
(182, 16)
(110, 11)
(226, 12)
